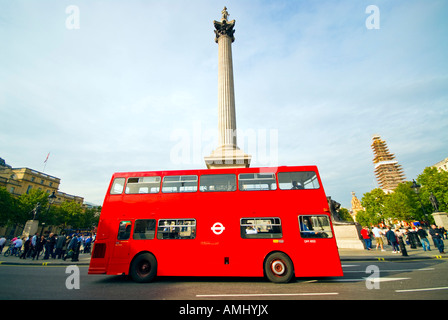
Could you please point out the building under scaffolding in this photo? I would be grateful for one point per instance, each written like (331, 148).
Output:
(387, 170)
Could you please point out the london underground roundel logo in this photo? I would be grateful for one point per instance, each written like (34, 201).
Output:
(218, 228)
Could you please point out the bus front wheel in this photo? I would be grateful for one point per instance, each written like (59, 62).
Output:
(278, 268)
(143, 268)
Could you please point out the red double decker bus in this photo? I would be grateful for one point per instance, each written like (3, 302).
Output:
(249, 222)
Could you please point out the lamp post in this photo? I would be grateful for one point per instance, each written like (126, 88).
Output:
(416, 188)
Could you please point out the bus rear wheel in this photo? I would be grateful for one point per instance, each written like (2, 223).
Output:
(278, 268)
(143, 268)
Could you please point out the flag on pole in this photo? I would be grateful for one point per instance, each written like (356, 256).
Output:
(45, 162)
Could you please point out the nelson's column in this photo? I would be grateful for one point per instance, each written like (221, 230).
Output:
(227, 155)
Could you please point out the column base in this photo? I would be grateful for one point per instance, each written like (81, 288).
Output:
(227, 157)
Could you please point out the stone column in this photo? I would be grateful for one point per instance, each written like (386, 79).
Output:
(227, 154)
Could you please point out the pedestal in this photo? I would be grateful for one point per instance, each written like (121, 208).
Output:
(30, 228)
(230, 157)
(348, 236)
(441, 219)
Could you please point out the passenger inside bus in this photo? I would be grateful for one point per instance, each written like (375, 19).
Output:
(296, 186)
(251, 230)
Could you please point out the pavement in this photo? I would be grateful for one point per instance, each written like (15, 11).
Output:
(344, 253)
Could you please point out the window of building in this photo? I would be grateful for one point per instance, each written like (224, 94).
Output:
(144, 229)
(117, 186)
(261, 228)
(315, 226)
(217, 182)
(143, 185)
(256, 181)
(176, 229)
(124, 230)
(174, 184)
(298, 180)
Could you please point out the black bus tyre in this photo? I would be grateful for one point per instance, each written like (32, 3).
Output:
(143, 268)
(278, 268)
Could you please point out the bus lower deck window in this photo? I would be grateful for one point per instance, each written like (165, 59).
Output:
(315, 226)
(261, 228)
(144, 229)
(176, 229)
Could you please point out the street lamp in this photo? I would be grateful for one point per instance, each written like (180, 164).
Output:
(416, 188)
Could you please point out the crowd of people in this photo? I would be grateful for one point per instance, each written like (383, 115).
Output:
(53, 246)
(398, 238)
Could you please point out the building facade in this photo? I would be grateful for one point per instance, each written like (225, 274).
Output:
(20, 181)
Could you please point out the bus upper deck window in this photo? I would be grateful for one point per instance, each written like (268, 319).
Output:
(117, 186)
(179, 184)
(143, 185)
(256, 181)
(298, 180)
(217, 182)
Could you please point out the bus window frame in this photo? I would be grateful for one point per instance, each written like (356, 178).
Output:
(261, 235)
(136, 185)
(160, 235)
(256, 177)
(153, 234)
(179, 181)
(313, 234)
(303, 185)
(234, 186)
(113, 189)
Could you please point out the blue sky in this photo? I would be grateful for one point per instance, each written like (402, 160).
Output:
(135, 87)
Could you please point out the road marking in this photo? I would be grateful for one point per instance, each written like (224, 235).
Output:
(398, 270)
(370, 279)
(423, 289)
(265, 294)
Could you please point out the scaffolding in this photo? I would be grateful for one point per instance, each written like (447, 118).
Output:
(387, 170)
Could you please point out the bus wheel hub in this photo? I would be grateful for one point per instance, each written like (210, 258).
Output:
(278, 267)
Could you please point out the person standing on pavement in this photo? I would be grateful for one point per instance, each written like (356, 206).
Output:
(437, 238)
(390, 235)
(39, 247)
(27, 248)
(49, 246)
(377, 233)
(365, 234)
(60, 242)
(401, 243)
(423, 238)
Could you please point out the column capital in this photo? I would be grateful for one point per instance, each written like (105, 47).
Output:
(224, 27)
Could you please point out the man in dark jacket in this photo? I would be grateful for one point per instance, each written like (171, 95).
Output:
(437, 238)
(390, 235)
(423, 238)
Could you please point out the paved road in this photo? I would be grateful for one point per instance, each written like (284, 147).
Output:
(417, 279)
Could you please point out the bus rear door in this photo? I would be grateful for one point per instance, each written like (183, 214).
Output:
(122, 242)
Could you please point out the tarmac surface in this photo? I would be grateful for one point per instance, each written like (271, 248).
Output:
(345, 255)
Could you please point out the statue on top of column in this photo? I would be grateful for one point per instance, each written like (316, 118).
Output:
(225, 14)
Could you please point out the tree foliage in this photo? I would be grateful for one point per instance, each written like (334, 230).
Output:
(404, 204)
(16, 211)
